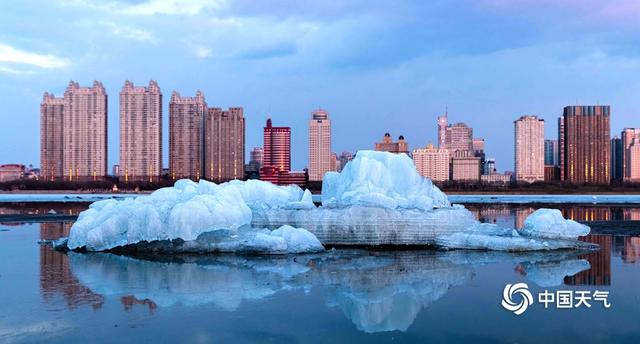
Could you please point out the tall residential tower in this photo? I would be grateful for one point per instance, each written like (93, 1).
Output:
(529, 149)
(224, 144)
(186, 116)
(51, 137)
(140, 132)
(85, 131)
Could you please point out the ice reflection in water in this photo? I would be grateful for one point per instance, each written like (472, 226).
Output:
(377, 291)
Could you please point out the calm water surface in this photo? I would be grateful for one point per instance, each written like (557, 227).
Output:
(339, 296)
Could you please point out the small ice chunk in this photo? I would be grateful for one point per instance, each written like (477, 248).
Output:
(549, 223)
(298, 239)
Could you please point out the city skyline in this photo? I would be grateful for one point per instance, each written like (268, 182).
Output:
(208, 142)
(477, 60)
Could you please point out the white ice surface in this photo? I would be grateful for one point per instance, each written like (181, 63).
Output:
(378, 199)
(246, 239)
(183, 211)
(544, 229)
(549, 223)
(381, 179)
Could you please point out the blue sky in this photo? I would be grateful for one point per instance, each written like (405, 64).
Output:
(377, 66)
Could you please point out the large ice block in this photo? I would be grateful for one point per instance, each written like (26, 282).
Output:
(378, 199)
(362, 225)
(183, 211)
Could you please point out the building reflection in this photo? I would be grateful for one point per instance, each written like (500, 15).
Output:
(43, 208)
(521, 214)
(600, 272)
(587, 214)
(130, 300)
(56, 278)
(631, 214)
(631, 250)
(498, 213)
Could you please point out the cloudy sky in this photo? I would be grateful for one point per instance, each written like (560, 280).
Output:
(377, 66)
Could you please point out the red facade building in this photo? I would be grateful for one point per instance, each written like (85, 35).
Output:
(276, 160)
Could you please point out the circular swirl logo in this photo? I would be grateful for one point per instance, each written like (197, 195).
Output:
(510, 290)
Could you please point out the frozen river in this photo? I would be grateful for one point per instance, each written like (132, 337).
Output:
(337, 296)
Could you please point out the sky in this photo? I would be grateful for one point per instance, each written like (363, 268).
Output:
(376, 66)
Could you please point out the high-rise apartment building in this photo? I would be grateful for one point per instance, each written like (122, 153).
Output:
(85, 131)
(140, 132)
(585, 144)
(631, 154)
(51, 137)
(320, 158)
(529, 149)
(387, 145)
(224, 144)
(432, 163)
(186, 121)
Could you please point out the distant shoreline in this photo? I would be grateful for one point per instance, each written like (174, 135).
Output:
(448, 192)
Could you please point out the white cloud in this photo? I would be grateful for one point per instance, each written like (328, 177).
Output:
(173, 7)
(151, 7)
(10, 56)
(203, 52)
(124, 31)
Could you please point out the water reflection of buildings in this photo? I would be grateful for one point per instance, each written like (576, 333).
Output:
(499, 213)
(600, 272)
(42, 208)
(56, 277)
(631, 214)
(521, 214)
(515, 215)
(586, 214)
(631, 250)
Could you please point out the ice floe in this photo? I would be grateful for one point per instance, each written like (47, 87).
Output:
(378, 199)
